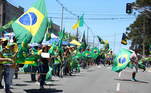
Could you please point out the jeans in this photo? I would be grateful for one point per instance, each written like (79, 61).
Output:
(56, 69)
(12, 72)
(33, 71)
(43, 69)
(1, 73)
(7, 76)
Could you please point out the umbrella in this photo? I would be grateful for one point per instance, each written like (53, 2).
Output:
(75, 43)
(55, 40)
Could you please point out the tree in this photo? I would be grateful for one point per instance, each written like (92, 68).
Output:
(140, 30)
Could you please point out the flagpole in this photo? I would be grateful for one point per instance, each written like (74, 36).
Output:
(114, 41)
(87, 35)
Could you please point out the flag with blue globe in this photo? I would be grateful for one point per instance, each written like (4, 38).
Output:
(95, 52)
(121, 60)
(32, 25)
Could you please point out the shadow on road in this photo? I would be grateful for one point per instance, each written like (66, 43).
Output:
(52, 90)
(90, 70)
(74, 75)
(35, 82)
(53, 84)
(29, 81)
(138, 81)
(21, 85)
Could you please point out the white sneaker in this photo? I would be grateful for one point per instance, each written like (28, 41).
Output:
(37, 83)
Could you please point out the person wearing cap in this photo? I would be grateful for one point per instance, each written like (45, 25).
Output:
(6, 62)
(1, 66)
(2, 40)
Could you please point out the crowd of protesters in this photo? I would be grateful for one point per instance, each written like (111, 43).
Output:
(47, 61)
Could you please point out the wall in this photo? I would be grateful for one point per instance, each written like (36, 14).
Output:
(9, 12)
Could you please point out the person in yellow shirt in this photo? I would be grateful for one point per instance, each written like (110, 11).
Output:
(6, 62)
(1, 66)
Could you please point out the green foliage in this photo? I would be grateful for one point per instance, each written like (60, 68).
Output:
(143, 3)
(140, 30)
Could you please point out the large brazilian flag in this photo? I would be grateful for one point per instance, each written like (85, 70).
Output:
(32, 25)
(121, 60)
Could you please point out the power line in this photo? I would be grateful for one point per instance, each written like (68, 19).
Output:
(94, 14)
(66, 9)
(95, 18)
(92, 11)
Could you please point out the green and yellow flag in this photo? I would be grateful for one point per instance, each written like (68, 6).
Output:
(121, 60)
(61, 37)
(95, 52)
(79, 23)
(100, 40)
(48, 34)
(6, 26)
(106, 45)
(124, 39)
(86, 54)
(32, 25)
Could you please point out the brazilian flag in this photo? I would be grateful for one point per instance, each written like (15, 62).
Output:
(87, 54)
(32, 25)
(122, 60)
(95, 52)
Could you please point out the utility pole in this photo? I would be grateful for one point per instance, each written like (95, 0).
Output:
(93, 40)
(143, 37)
(77, 34)
(62, 18)
(87, 35)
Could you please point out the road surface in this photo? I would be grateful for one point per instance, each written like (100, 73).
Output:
(92, 80)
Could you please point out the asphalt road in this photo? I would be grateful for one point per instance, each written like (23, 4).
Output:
(91, 80)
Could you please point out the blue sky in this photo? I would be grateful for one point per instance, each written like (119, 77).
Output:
(107, 29)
